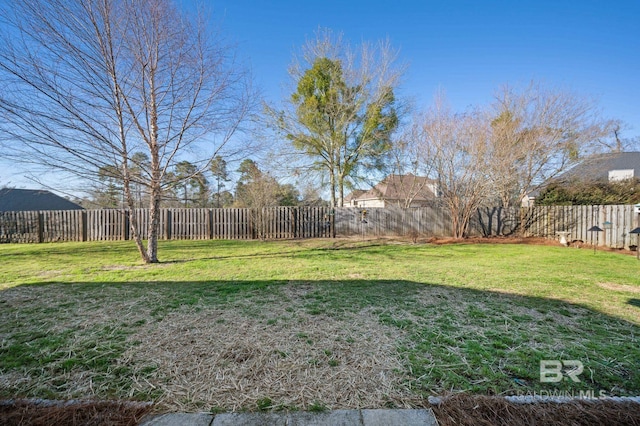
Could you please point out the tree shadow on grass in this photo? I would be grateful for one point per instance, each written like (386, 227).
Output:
(448, 338)
(634, 302)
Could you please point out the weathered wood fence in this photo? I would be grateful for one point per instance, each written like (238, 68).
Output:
(392, 221)
(546, 221)
(176, 224)
(320, 222)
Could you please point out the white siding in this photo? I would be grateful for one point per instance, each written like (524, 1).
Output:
(617, 175)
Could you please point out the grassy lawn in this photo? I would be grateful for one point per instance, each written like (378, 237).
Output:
(223, 325)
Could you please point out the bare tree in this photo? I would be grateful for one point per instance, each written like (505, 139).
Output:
(536, 134)
(614, 138)
(343, 109)
(257, 191)
(456, 149)
(85, 84)
(408, 168)
(256, 188)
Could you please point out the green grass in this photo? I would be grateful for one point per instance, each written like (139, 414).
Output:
(476, 318)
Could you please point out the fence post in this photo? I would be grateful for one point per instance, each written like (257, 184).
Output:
(83, 218)
(167, 225)
(125, 224)
(332, 215)
(40, 227)
(293, 218)
(210, 223)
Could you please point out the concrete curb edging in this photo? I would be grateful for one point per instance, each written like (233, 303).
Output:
(406, 417)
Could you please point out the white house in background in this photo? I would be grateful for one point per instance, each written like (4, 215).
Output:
(614, 166)
(395, 190)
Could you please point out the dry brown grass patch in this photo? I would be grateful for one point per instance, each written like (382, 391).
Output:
(620, 287)
(221, 358)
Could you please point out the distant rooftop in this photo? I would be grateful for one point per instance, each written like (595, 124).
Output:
(33, 199)
(598, 166)
(397, 187)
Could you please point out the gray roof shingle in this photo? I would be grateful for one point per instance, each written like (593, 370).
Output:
(597, 167)
(33, 199)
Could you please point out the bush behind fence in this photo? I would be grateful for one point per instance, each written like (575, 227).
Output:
(319, 222)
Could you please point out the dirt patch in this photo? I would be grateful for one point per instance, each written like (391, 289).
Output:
(493, 240)
(48, 274)
(620, 287)
(463, 410)
(135, 267)
(538, 241)
(39, 413)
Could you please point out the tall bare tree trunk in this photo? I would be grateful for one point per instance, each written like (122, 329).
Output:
(133, 218)
(91, 82)
(154, 223)
(332, 183)
(341, 192)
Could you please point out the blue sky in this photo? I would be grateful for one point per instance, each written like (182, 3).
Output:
(469, 48)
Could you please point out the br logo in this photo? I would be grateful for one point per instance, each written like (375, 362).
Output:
(553, 371)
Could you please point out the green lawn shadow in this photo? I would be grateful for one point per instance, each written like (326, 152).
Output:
(449, 338)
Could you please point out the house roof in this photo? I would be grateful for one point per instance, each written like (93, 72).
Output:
(397, 187)
(598, 166)
(33, 199)
(354, 195)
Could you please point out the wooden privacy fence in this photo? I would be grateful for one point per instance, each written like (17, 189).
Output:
(546, 221)
(177, 224)
(615, 220)
(320, 222)
(392, 221)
